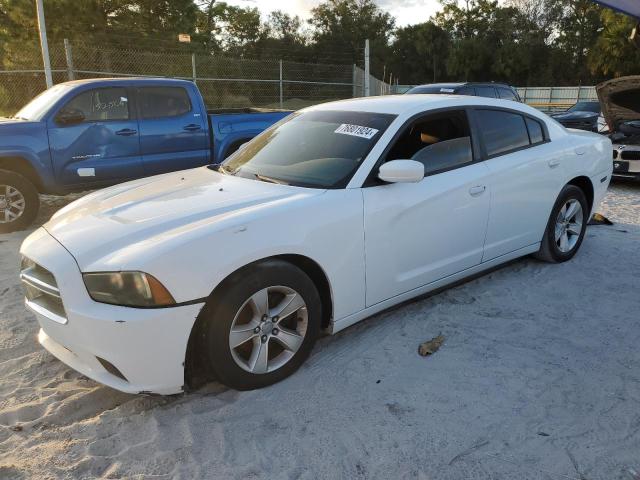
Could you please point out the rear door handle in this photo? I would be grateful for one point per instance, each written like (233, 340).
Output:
(126, 132)
(554, 163)
(192, 127)
(477, 190)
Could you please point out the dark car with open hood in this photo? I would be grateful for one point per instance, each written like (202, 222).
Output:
(620, 101)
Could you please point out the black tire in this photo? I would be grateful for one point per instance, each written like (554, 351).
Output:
(29, 194)
(216, 319)
(549, 249)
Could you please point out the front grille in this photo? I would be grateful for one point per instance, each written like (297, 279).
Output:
(41, 291)
(630, 154)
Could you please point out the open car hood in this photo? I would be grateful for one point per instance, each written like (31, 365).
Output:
(620, 100)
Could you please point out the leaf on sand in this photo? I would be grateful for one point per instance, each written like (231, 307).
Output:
(431, 346)
(599, 219)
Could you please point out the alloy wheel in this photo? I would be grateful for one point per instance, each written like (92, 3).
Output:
(569, 225)
(12, 204)
(268, 329)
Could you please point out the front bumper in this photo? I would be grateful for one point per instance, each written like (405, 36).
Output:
(130, 349)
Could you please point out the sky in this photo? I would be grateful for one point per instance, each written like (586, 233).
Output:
(406, 12)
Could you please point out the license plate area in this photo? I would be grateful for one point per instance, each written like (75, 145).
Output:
(620, 166)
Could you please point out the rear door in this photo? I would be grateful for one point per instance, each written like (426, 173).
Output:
(523, 180)
(173, 130)
(103, 147)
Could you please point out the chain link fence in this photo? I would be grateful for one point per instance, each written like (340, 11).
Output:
(224, 82)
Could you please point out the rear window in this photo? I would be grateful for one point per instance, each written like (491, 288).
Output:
(502, 131)
(160, 102)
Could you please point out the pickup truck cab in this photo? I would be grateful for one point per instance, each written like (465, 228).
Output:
(89, 134)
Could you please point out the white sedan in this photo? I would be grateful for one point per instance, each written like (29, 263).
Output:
(338, 212)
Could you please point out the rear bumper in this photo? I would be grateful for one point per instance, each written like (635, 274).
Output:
(129, 349)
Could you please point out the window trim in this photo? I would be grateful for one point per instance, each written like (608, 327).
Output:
(372, 179)
(142, 118)
(524, 115)
(130, 110)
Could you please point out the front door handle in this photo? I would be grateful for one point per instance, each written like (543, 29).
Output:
(477, 190)
(192, 127)
(126, 132)
(554, 163)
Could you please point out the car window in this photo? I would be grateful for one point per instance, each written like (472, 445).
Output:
(502, 131)
(489, 92)
(466, 91)
(439, 141)
(536, 134)
(506, 94)
(159, 102)
(317, 149)
(101, 104)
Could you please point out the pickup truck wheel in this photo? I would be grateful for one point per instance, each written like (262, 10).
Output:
(261, 326)
(566, 227)
(19, 202)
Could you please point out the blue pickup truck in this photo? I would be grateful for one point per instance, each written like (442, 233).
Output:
(88, 134)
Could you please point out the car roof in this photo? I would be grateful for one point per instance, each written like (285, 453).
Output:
(128, 81)
(399, 104)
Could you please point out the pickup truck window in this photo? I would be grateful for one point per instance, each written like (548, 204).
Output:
(318, 149)
(162, 102)
(101, 104)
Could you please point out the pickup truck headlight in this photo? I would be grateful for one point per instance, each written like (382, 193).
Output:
(128, 289)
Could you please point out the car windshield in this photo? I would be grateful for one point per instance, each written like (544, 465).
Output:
(36, 108)
(585, 107)
(317, 149)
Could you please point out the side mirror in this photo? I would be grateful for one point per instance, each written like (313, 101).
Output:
(401, 171)
(70, 117)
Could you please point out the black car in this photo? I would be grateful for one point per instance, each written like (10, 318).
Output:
(583, 115)
(490, 90)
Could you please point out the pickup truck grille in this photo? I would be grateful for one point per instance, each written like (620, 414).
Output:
(41, 291)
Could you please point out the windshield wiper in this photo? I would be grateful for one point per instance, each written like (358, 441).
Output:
(264, 178)
(219, 167)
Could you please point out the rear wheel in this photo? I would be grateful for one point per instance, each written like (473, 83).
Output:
(19, 202)
(261, 325)
(566, 227)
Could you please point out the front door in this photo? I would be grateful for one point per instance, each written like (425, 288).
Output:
(418, 233)
(101, 145)
(173, 131)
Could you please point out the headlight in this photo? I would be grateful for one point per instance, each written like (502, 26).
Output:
(129, 289)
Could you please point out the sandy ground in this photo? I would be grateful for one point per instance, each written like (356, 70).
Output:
(539, 378)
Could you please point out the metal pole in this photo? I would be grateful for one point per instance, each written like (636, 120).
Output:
(281, 95)
(193, 67)
(367, 80)
(69, 56)
(43, 44)
(354, 80)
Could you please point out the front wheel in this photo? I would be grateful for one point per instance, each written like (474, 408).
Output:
(566, 227)
(261, 325)
(19, 202)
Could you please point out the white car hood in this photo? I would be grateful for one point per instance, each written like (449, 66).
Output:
(99, 224)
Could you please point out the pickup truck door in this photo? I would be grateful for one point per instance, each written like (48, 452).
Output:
(93, 139)
(173, 130)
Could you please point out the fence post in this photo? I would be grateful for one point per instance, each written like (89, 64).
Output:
(193, 67)
(69, 57)
(354, 80)
(367, 80)
(44, 44)
(281, 92)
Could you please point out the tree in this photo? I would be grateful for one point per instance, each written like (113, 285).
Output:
(613, 54)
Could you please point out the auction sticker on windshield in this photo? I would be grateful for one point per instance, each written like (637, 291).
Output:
(356, 131)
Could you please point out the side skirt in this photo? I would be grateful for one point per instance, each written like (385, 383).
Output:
(345, 322)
